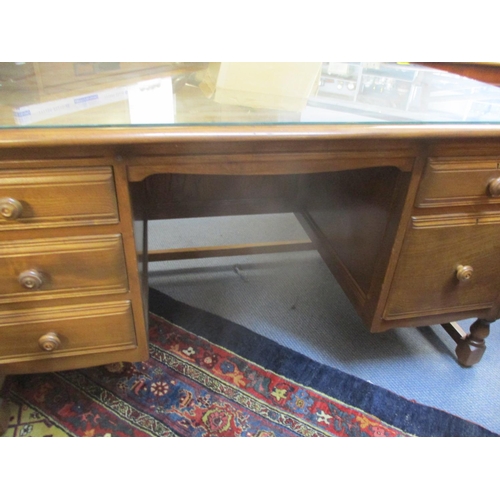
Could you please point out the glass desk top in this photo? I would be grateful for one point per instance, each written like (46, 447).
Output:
(165, 94)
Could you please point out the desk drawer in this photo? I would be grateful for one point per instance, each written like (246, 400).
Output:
(57, 197)
(427, 278)
(65, 331)
(459, 182)
(62, 266)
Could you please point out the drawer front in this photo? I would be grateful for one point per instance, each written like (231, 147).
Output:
(428, 279)
(63, 266)
(65, 331)
(464, 182)
(57, 197)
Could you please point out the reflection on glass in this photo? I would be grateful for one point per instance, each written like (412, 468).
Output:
(121, 94)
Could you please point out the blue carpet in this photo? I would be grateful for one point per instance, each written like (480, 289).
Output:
(409, 416)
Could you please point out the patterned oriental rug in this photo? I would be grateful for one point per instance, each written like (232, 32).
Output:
(210, 377)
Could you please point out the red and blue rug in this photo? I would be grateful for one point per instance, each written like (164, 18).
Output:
(207, 376)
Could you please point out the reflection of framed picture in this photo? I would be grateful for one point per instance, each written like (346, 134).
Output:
(83, 68)
(86, 68)
(102, 67)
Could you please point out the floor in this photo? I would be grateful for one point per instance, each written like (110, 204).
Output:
(293, 299)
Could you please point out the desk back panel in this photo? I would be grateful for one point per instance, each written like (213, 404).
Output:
(177, 195)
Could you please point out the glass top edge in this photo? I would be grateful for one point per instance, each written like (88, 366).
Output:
(263, 125)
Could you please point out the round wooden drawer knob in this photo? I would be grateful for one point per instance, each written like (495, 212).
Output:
(10, 208)
(464, 273)
(31, 279)
(49, 342)
(494, 187)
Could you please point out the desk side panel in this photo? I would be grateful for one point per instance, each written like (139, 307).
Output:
(353, 218)
(351, 211)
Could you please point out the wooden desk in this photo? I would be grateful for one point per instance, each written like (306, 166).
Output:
(406, 215)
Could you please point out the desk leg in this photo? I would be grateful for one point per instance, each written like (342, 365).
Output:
(4, 408)
(119, 367)
(471, 346)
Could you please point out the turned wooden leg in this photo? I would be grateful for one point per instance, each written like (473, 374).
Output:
(470, 347)
(119, 367)
(4, 409)
(115, 367)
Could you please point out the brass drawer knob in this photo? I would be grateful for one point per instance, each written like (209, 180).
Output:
(31, 279)
(464, 273)
(494, 187)
(49, 342)
(10, 208)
